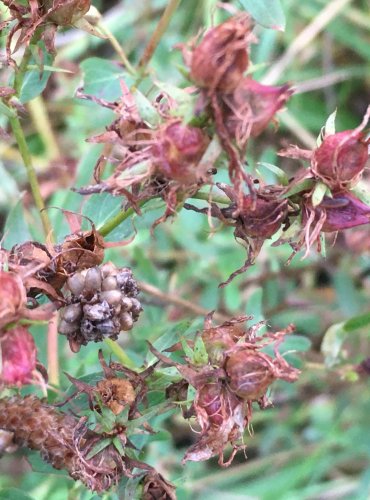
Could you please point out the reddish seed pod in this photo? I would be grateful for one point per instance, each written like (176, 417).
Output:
(221, 58)
(264, 220)
(209, 399)
(177, 151)
(250, 373)
(341, 158)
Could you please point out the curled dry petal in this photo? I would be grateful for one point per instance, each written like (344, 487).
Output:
(18, 357)
(220, 59)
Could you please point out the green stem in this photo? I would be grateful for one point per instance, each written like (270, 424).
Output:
(22, 69)
(116, 220)
(157, 35)
(31, 174)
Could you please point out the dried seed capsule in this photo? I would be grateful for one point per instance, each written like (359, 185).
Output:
(250, 373)
(109, 283)
(113, 297)
(93, 280)
(97, 312)
(136, 307)
(67, 328)
(108, 269)
(126, 304)
(72, 313)
(76, 283)
(126, 321)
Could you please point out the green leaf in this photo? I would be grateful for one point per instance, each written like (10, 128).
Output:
(332, 343)
(146, 109)
(268, 13)
(318, 194)
(16, 228)
(189, 353)
(327, 129)
(118, 445)
(14, 493)
(102, 78)
(200, 352)
(362, 192)
(357, 322)
(281, 176)
(98, 447)
(302, 186)
(35, 80)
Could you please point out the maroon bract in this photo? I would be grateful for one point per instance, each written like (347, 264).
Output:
(251, 107)
(221, 58)
(18, 357)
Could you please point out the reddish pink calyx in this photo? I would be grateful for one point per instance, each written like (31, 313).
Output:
(18, 357)
(341, 158)
(343, 212)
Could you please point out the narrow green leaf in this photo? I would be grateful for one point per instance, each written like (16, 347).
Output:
(318, 194)
(16, 228)
(302, 186)
(146, 109)
(268, 13)
(200, 352)
(357, 322)
(98, 447)
(282, 177)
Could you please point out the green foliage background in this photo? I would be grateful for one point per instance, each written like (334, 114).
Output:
(315, 442)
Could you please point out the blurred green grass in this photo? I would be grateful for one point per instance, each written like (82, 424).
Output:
(314, 443)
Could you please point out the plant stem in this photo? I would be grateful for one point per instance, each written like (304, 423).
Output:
(41, 121)
(117, 47)
(31, 174)
(22, 69)
(116, 220)
(157, 35)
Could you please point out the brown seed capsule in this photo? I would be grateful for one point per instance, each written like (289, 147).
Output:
(126, 304)
(66, 328)
(109, 283)
(113, 297)
(250, 373)
(126, 321)
(76, 283)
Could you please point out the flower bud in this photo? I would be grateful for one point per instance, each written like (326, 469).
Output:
(68, 12)
(251, 107)
(219, 61)
(18, 357)
(341, 158)
(250, 373)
